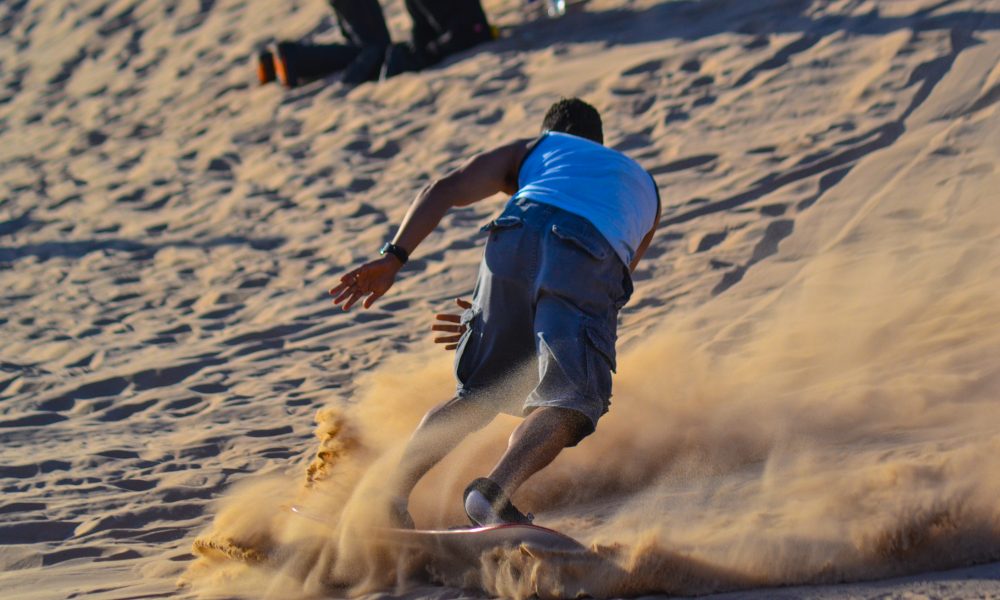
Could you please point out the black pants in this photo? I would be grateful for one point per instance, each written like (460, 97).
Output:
(443, 27)
(363, 26)
(440, 28)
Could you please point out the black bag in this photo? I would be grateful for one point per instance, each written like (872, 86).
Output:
(443, 27)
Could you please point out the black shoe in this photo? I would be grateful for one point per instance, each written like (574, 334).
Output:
(486, 504)
(265, 67)
(284, 70)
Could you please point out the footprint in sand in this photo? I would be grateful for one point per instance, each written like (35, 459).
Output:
(186, 406)
(780, 58)
(773, 210)
(120, 412)
(384, 151)
(767, 246)
(706, 241)
(675, 115)
(491, 117)
(706, 100)
(650, 66)
(682, 164)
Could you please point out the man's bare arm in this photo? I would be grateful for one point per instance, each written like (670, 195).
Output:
(482, 176)
(644, 245)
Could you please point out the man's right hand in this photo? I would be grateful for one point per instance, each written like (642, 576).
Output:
(372, 279)
(452, 324)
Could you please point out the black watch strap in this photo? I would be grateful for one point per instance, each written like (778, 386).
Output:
(396, 251)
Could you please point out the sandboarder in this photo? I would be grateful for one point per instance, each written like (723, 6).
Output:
(555, 272)
(440, 28)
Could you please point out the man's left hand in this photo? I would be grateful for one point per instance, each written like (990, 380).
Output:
(451, 324)
(372, 279)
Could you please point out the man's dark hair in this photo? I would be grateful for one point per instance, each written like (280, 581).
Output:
(576, 117)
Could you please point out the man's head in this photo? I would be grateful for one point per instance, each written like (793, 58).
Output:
(576, 117)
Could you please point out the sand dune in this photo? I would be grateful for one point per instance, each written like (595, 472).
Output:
(808, 383)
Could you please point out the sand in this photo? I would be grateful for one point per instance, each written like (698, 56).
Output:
(807, 397)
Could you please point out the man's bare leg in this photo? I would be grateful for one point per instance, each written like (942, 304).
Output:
(440, 431)
(534, 444)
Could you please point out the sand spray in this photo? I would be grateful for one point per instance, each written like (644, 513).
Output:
(846, 428)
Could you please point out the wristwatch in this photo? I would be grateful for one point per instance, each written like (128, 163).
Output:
(397, 251)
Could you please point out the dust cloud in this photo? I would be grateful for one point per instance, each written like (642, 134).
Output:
(845, 428)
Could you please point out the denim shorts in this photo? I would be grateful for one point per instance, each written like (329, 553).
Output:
(544, 317)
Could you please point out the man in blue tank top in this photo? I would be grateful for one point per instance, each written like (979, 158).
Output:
(538, 339)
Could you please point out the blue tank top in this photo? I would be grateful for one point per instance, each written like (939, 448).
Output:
(597, 183)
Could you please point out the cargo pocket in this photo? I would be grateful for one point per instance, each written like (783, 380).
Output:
(601, 362)
(505, 242)
(584, 237)
(465, 354)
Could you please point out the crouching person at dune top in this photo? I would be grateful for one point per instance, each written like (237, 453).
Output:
(555, 272)
(440, 28)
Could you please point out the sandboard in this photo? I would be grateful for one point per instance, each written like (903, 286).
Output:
(465, 542)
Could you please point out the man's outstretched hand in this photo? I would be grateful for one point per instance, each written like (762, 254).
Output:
(452, 324)
(372, 279)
